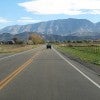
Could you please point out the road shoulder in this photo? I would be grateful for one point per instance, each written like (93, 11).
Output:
(92, 67)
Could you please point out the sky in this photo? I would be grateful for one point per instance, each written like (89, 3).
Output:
(22, 12)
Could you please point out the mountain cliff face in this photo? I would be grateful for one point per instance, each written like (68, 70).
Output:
(56, 27)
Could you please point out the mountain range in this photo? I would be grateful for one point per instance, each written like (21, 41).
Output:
(61, 27)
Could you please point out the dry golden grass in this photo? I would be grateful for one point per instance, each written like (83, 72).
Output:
(15, 48)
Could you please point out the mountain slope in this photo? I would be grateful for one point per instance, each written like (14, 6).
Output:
(56, 27)
(6, 37)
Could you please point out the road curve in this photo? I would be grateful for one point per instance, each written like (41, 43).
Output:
(47, 77)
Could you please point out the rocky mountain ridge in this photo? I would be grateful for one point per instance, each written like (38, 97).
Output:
(57, 27)
(61, 29)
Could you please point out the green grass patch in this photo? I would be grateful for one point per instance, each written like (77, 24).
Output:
(88, 54)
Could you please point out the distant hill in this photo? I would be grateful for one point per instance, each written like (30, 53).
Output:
(55, 29)
(48, 37)
(6, 37)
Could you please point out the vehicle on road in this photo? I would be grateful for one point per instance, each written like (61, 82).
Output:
(48, 46)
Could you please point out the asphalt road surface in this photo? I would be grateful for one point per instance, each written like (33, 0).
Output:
(45, 74)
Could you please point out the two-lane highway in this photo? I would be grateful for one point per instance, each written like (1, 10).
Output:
(46, 76)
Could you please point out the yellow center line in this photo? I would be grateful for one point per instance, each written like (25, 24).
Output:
(10, 77)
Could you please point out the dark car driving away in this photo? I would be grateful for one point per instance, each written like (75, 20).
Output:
(48, 46)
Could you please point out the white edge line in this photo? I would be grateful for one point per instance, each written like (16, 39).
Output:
(16, 54)
(96, 84)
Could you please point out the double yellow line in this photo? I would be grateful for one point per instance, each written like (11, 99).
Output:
(9, 78)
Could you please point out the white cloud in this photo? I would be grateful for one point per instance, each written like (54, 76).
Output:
(4, 20)
(27, 20)
(95, 11)
(70, 7)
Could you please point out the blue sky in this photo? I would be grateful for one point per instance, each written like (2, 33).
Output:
(21, 12)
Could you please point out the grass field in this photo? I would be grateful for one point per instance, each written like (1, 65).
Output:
(85, 53)
(15, 48)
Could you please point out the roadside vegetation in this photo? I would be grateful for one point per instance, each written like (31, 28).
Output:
(15, 48)
(86, 51)
(16, 45)
(35, 39)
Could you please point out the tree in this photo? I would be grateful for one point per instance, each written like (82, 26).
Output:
(17, 41)
(36, 39)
